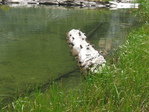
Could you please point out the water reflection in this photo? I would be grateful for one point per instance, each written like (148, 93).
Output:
(33, 49)
(113, 32)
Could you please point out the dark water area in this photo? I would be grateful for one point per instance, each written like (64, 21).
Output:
(33, 48)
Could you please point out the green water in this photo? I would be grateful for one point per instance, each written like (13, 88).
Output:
(33, 49)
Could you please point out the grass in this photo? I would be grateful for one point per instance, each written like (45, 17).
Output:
(123, 86)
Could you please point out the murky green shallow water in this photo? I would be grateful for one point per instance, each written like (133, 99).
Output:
(33, 49)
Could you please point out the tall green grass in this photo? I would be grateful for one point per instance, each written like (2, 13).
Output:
(123, 86)
(143, 10)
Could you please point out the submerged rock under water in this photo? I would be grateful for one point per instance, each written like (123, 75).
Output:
(87, 57)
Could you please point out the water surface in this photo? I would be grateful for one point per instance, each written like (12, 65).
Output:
(33, 49)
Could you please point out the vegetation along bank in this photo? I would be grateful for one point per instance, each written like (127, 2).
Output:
(123, 86)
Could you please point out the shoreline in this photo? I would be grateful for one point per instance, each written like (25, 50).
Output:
(75, 3)
(81, 3)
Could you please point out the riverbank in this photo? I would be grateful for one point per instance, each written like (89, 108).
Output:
(74, 3)
(82, 3)
(121, 87)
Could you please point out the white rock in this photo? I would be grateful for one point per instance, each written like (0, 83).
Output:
(87, 56)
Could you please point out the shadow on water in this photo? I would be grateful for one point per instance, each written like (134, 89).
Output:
(33, 49)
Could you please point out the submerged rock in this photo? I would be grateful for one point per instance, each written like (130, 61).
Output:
(87, 57)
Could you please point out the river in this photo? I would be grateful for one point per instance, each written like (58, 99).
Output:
(33, 48)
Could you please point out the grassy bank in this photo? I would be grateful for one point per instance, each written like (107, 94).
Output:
(122, 87)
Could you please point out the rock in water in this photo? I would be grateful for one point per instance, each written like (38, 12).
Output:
(87, 57)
